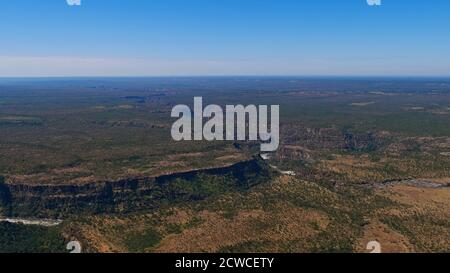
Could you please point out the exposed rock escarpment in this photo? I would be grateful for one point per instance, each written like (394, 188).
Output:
(128, 195)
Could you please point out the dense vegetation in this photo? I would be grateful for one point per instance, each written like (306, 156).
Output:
(25, 239)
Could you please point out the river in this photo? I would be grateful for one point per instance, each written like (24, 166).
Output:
(32, 222)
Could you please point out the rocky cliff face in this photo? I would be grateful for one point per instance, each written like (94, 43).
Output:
(128, 195)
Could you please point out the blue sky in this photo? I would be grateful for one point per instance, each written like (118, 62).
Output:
(224, 37)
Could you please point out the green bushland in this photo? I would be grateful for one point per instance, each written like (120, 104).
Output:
(141, 242)
(17, 238)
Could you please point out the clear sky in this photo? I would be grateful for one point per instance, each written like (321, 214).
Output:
(224, 37)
